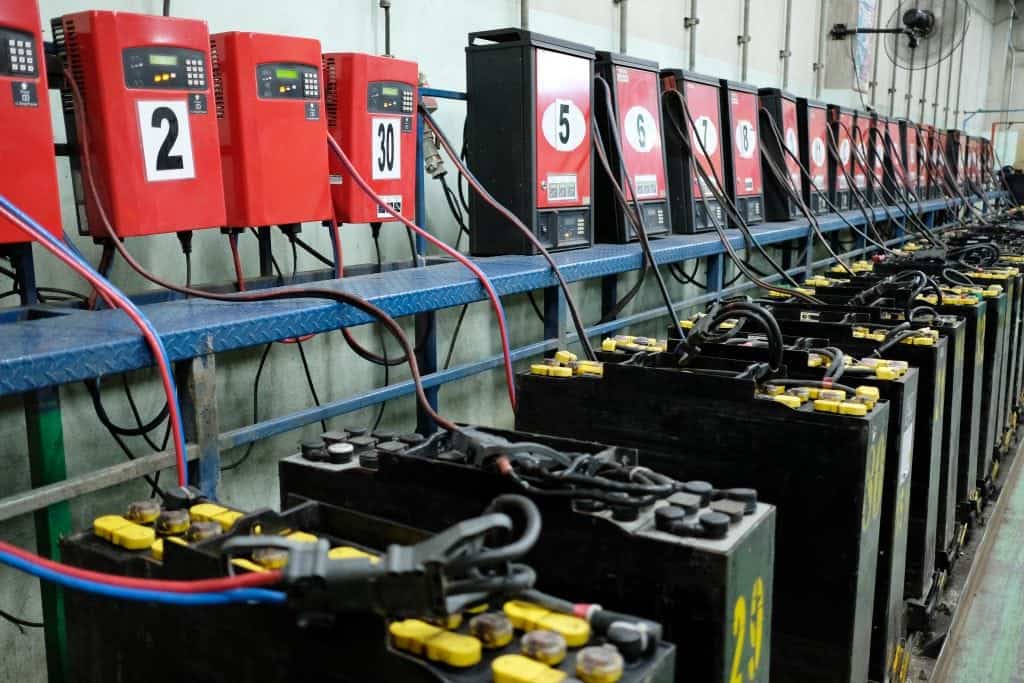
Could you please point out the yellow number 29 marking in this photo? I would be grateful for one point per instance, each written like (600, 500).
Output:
(740, 621)
(739, 627)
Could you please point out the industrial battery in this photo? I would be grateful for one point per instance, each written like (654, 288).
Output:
(781, 108)
(29, 175)
(147, 109)
(926, 481)
(273, 131)
(636, 107)
(690, 199)
(740, 140)
(717, 428)
(896, 383)
(652, 559)
(840, 158)
(370, 103)
(812, 120)
(115, 640)
(528, 139)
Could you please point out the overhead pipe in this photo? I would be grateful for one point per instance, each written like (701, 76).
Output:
(785, 53)
(690, 24)
(892, 79)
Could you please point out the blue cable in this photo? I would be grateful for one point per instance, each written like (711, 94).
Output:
(145, 595)
(163, 358)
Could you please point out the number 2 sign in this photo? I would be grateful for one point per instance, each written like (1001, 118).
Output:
(166, 140)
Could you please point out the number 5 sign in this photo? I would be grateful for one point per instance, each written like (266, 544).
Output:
(166, 140)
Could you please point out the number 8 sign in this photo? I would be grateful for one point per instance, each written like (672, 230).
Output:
(166, 140)
(746, 139)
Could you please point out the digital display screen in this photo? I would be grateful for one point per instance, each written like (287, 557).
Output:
(389, 90)
(163, 60)
(290, 74)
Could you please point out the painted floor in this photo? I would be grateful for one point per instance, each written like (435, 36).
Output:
(990, 648)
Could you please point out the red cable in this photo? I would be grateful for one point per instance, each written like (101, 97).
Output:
(112, 297)
(197, 586)
(457, 255)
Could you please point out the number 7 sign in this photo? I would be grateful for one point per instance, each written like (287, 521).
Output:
(166, 140)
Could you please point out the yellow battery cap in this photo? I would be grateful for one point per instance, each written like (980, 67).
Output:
(436, 644)
(121, 532)
(345, 552)
(270, 558)
(788, 400)
(527, 616)
(599, 664)
(565, 356)
(541, 369)
(773, 389)
(826, 406)
(559, 372)
(520, 669)
(883, 372)
(157, 549)
(868, 392)
(302, 537)
(852, 408)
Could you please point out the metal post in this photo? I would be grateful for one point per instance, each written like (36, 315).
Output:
(960, 70)
(785, 53)
(609, 293)
(426, 323)
(949, 74)
(554, 316)
(524, 14)
(715, 272)
(198, 378)
(910, 82)
(892, 78)
(47, 465)
(744, 41)
(938, 80)
(623, 26)
(819, 64)
(874, 66)
(690, 24)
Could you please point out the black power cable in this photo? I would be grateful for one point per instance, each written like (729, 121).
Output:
(636, 216)
(570, 302)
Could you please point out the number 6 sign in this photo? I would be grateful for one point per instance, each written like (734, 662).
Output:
(166, 140)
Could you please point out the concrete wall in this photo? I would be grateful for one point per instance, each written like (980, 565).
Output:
(433, 32)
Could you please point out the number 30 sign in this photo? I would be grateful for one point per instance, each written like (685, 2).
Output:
(166, 140)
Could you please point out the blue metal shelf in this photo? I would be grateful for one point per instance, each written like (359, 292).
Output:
(79, 344)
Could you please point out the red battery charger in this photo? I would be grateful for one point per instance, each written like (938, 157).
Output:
(273, 131)
(636, 108)
(150, 118)
(740, 135)
(841, 157)
(812, 117)
(528, 140)
(692, 203)
(371, 112)
(781, 110)
(28, 174)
